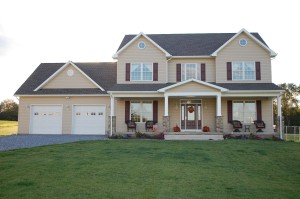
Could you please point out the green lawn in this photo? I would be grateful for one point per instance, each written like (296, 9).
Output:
(8, 127)
(153, 169)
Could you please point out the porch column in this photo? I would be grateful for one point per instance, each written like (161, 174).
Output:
(166, 105)
(219, 117)
(279, 121)
(219, 106)
(166, 117)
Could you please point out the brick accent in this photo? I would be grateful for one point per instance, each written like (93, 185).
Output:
(219, 124)
(166, 123)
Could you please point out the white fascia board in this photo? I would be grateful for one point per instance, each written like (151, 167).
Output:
(63, 67)
(115, 56)
(193, 80)
(272, 53)
(253, 93)
(196, 94)
(64, 95)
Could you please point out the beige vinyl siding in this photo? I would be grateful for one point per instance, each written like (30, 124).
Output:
(151, 54)
(209, 67)
(251, 52)
(267, 114)
(62, 80)
(26, 102)
(191, 87)
(120, 115)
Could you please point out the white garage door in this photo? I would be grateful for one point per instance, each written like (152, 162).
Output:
(89, 119)
(46, 119)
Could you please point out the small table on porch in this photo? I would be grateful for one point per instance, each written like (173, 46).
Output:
(247, 127)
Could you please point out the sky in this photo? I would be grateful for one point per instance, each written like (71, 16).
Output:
(42, 31)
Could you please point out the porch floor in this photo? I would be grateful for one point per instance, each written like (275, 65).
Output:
(193, 136)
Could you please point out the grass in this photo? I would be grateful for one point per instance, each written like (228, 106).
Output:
(153, 169)
(8, 127)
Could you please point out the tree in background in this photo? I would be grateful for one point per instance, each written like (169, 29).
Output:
(289, 104)
(9, 110)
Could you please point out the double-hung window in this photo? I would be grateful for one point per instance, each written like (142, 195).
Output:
(141, 111)
(141, 72)
(243, 70)
(244, 111)
(190, 71)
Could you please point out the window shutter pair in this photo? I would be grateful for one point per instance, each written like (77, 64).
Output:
(229, 70)
(230, 113)
(155, 72)
(155, 111)
(178, 72)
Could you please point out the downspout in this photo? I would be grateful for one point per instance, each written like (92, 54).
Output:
(111, 114)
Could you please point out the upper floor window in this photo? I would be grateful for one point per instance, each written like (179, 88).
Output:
(190, 71)
(141, 72)
(243, 70)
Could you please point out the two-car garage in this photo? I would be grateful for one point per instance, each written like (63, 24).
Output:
(86, 119)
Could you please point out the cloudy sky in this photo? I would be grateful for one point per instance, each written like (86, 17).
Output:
(39, 31)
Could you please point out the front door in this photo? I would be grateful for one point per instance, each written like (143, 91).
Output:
(190, 116)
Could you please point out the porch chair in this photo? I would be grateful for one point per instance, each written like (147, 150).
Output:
(259, 124)
(131, 125)
(236, 124)
(149, 125)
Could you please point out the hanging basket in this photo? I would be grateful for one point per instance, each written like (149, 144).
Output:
(191, 109)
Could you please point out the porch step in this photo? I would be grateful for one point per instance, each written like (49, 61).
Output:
(172, 136)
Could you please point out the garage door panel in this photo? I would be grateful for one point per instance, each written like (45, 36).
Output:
(89, 119)
(46, 119)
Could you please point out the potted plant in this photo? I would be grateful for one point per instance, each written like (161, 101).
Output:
(205, 129)
(176, 128)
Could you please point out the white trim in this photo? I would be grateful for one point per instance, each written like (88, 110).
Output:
(196, 94)
(65, 95)
(63, 67)
(272, 53)
(30, 115)
(115, 56)
(192, 80)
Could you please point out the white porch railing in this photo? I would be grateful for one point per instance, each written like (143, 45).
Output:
(292, 133)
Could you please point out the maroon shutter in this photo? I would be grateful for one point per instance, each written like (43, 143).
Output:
(257, 69)
(178, 72)
(127, 110)
(229, 71)
(203, 75)
(155, 71)
(127, 71)
(229, 110)
(258, 110)
(155, 111)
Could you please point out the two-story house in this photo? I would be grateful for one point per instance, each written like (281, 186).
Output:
(189, 80)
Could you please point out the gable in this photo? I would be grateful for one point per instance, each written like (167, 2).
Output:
(147, 53)
(192, 87)
(63, 80)
(252, 47)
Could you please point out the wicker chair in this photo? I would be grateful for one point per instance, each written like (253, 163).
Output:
(259, 124)
(149, 125)
(131, 125)
(237, 125)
